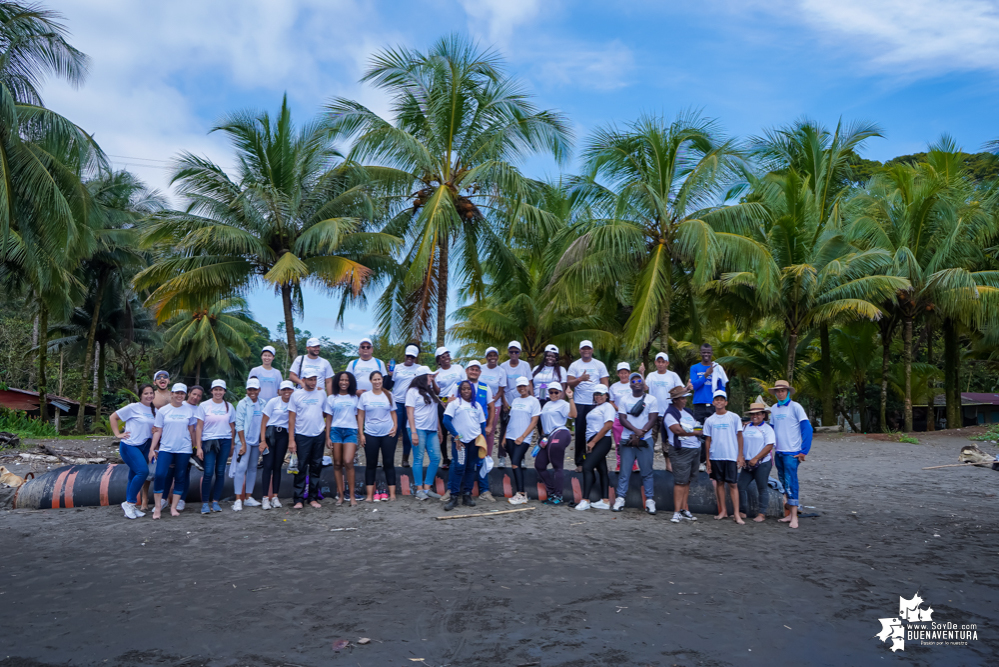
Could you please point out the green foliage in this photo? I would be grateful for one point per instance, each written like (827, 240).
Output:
(991, 434)
(16, 421)
(902, 437)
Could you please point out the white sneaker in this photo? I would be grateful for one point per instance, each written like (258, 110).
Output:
(583, 505)
(502, 462)
(676, 517)
(702, 468)
(266, 505)
(251, 502)
(237, 506)
(650, 506)
(138, 513)
(327, 461)
(163, 503)
(130, 510)
(618, 504)
(275, 503)
(181, 505)
(600, 505)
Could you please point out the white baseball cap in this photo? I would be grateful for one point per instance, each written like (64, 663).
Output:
(180, 386)
(219, 383)
(473, 362)
(551, 348)
(554, 385)
(287, 384)
(253, 383)
(412, 351)
(366, 340)
(663, 356)
(624, 366)
(490, 349)
(309, 373)
(719, 392)
(442, 350)
(422, 370)
(586, 343)
(523, 382)
(600, 389)
(269, 348)
(514, 343)
(312, 342)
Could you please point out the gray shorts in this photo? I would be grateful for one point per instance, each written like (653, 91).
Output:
(685, 462)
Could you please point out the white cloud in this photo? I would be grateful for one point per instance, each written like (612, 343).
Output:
(501, 17)
(584, 67)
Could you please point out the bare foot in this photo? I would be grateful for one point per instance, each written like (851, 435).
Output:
(339, 501)
(174, 512)
(794, 522)
(391, 496)
(786, 519)
(738, 520)
(315, 504)
(297, 506)
(718, 517)
(369, 499)
(742, 514)
(353, 503)
(760, 518)
(156, 513)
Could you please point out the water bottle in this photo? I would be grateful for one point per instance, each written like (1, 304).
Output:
(293, 465)
(391, 365)
(461, 455)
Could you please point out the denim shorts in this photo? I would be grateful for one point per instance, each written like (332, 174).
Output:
(343, 434)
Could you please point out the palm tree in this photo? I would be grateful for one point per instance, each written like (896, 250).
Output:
(855, 355)
(446, 160)
(294, 214)
(213, 336)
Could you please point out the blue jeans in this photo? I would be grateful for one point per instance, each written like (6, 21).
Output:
(483, 481)
(428, 444)
(461, 476)
(136, 457)
(787, 470)
(401, 416)
(645, 457)
(163, 462)
(215, 465)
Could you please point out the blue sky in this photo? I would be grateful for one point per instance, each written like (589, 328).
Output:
(162, 73)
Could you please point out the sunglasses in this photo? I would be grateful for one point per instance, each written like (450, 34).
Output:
(365, 347)
(553, 391)
(634, 380)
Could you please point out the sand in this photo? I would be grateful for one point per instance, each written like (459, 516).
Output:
(551, 587)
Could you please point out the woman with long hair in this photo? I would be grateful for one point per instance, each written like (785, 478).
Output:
(559, 408)
(341, 433)
(421, 413)
(547, 372)
(599, 421)
(215, 432)
(376, 427)
(136, 440)
(274, 429)
(171, 448)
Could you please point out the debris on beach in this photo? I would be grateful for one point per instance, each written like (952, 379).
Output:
(341, 644)
(974, 454)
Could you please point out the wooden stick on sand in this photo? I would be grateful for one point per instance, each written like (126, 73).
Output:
(960, 465)
(466, 516)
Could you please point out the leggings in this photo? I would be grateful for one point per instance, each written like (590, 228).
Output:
(246, 470)
(164, 461)
(402, 417)
(215, 465)
(517, 454)
(386, 445)
(445, 456)
(594, 466)
(277, 443)
(760, 474)
(554, 453)
(581, 412)
(136, 457)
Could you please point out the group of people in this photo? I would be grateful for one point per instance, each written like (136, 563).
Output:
(453, 417)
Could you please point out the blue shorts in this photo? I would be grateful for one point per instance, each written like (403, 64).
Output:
(343, 435)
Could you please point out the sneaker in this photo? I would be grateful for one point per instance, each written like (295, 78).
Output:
(376, 497)
(515, 499)
(687, 516)
(139, 513)
(432, 494)
(327, 460)
(196, 463)
(618, 504)
(129, 510)
(676, 517)
(583, 505)
(181, 505)
(600, 505)
(502, 462)
(421, 495)
(163, 503)
(446, 497)
(451, 503)
(650, 506)
(237, 506)
(554, 500)
(251, 502)
(275, 503)
(358, 496)
(266, 505)
(216, 507)
(485, 495)
(204, 508)
(702, 468)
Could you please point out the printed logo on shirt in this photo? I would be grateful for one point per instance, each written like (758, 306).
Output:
(308, 401)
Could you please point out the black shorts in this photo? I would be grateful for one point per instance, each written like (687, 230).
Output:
(725, 471)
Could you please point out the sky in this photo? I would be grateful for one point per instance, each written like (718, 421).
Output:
(163, 73)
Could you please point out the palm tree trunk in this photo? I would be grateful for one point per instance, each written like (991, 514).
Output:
(102, 358)
(664, 318)
(825, 365)
(43, 343)
(951, 394)
(907, 356)
(885, 358)
(88, 359)
(32, 375)
(862, 405)
(197, 373)
(289, 325)
(442, 277)
(792, 348)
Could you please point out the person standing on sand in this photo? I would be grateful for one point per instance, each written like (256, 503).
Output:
(599, 421)
(794, 441)
(249, 414)
(494, 377)
(402, 375)
(618, 391)
(556, 440)
(639, 413)
(270, 377)
(465, 420)
(660, 383)
(215, 432)
(525, 410)
(484, 397)
(684, 451)
(723, 441)
(421, 408)
(136, 441)
(706, 378)
(274, 435)
(583, 377)
(341, 434)
(171, 447)
(377, 425)
(312, 363)
(444, 379)
(306, 425)
(514, 368)
(161, 380)
(758, 440)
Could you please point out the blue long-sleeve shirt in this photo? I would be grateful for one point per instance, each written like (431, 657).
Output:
(703, 393)
(806, 436)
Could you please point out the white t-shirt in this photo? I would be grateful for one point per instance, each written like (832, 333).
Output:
(494, 378)
(723, 431)
(308, 409)
(786, 420)
(402, 377)
(523, 369)
(466, 418)
(176, 423)
(545, 377)
(448, 378)
(619, 390)
(584, 390)
(277, 412)
(522, 410)
(687, 423)
(321, 367)
(343, 408)
(626, 403)
(217, 417)
(138, 420)
(755, 438)
(554, 415)
(270, 381)
(424, 414)
(659, 385)
(597, 417)
(361, 370)
(378, 411)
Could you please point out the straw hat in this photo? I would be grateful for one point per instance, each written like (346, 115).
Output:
(757, 407)
(678, 392)
(782, 384)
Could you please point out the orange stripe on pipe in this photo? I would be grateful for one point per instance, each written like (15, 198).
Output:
(67, 491)
(577, 493)
(57, 489)
(542, 492)
(405, 484)
(105, 483)
(507, 487)
(440, 486)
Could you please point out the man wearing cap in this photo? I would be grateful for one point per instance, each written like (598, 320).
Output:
(660, 382)
(514, 369)
(249, 412)
(361, 367)
(484, 397)
(723, 440)
(583, 376)
(794, 441)
(268, 376)
(161, 379)
(494, 376)
(307, 436)
(684, 451)
(402, 376)
(445, 378)
(638, 413)
(706, 378)
(312, 363)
